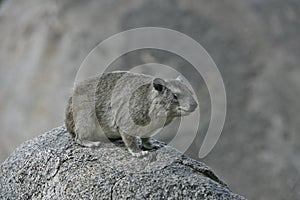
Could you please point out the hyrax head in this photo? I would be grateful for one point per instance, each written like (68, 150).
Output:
(176, 97)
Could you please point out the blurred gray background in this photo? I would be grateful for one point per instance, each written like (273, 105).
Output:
(255, 44)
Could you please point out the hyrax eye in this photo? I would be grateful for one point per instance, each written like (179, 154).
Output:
(175, 96)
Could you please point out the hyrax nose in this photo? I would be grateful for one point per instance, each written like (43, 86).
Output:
(193, 106)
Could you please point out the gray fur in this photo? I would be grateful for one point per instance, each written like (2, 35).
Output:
(125, 105)
(139, 105)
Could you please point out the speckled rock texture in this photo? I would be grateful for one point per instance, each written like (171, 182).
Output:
(52, 166)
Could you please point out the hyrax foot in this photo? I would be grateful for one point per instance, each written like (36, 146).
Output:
(87, 143)
(148, 144)
(138, 154)
(131, 142)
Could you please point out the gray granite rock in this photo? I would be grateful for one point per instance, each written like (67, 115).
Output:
(52, 166)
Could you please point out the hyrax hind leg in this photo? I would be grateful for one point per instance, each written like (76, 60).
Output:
(87, 133)
(87, 129)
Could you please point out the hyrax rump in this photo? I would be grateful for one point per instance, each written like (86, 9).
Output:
(125, 105)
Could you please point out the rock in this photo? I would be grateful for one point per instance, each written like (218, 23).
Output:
(52, 166)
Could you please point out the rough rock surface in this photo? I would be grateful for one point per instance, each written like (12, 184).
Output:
(52, 166)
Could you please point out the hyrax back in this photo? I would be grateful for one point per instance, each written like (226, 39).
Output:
(125, 105)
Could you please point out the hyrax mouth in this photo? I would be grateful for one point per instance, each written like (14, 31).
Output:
(185, 111)
(189, 109)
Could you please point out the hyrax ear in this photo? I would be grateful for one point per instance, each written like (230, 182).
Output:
(180, 78)
(159, 84)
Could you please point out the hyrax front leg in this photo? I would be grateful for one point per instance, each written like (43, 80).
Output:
(132, 144)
